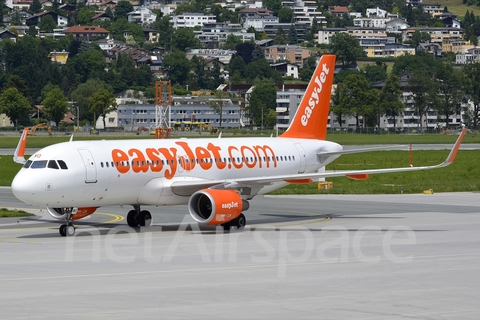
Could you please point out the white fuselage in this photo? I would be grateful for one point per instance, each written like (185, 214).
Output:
(128, 172)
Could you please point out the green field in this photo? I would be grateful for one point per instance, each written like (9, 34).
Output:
(455, 6)
(459, 176)
(462, 175)
(342, 138)
(5, 213)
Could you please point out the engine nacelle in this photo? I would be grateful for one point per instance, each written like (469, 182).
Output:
(77, 213)
(215, 206)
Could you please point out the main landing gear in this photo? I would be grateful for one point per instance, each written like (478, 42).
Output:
(238, 223)
(67, 229)
(139, 218)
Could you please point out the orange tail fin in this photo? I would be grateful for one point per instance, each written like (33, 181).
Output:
(311, 119)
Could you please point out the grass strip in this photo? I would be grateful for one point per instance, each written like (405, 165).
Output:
(5, 213)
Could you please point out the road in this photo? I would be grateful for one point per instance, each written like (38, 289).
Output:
(302, 257)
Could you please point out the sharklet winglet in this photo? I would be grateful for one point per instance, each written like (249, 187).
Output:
(19, 154)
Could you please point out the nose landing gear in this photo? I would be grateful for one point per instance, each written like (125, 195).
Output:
(67, 229)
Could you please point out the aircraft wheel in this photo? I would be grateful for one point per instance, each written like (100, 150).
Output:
(63, 230)
(70, 230)
(132, 218)
(226, 226)
(241, 222)
(144, 218)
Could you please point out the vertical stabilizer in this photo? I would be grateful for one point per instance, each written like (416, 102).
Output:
(311, 119)
(19, 154)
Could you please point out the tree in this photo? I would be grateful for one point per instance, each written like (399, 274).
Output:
(55, 106)
(292, 34)
(285, 15)
(450, 89)
(419, 37)
(28, 58)
(377, 72)
(245, 50)
(262, 99)
(35, 7)
(270, 118)
(423, 89)
(237, 65)
(274, 5)
(165, 28)
(47, 24)
(177, 66)
(337, 107)
(122, 8)
(101, 103)
(356, 98)
(258, 53)
(232, 41)
(16, 82)
(305, 74)
(412, 63)
(184, 38)
(15, 106)
(471, 73)
(86, 65)
(84, 15)
(261, 70)
(390, 101)
(81, 95)
(16, 20)
(346, 47)
(218, 103)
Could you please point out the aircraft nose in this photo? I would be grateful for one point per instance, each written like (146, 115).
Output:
(23, 189)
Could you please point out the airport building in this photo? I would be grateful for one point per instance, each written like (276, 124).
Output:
(132, 116)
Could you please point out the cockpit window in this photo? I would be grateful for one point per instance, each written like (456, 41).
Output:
(52, 164)
(62, 164)
(27, 164)
(39, 164)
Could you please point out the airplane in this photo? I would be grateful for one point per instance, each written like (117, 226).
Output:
(215, 177)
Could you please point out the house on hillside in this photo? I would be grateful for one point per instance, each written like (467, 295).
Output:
(88, 33)
(34, 20)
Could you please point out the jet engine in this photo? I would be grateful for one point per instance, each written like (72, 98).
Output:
(77, 213)
(215, 206)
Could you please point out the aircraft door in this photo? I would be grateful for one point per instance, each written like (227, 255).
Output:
(90, 168)
(301, 153)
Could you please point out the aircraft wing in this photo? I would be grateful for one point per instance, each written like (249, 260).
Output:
(255, 184)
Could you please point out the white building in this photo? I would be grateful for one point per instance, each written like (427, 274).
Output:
(191, 20)
(141, 15)
(470, 55)
(258, 22)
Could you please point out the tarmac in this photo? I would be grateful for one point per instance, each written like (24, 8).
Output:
(303, 257)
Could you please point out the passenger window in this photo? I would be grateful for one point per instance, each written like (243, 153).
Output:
(27, 164)
(62, 164)
(106, 163)
(39, 164)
